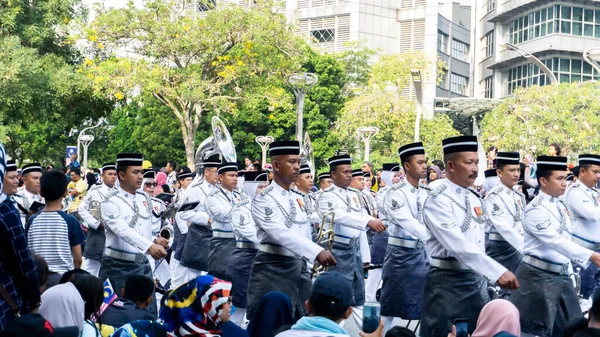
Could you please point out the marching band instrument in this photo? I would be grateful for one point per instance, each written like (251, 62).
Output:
(325, 240)
(219, 143)
(577, 278)
(167, 233)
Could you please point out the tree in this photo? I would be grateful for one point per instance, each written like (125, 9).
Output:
(534, 117)
(194, 64)
(383, 105)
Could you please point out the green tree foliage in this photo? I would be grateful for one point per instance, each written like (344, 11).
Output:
(534, 117)
(194, 64)
(383, 105)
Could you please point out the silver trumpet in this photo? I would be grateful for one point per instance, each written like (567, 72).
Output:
(577, 277)
(167, 233)
(494, 292)
(325, 240)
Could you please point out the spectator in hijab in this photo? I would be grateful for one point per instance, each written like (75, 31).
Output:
(273, 313)
(434, 173)
(63, 306)
(201, 307)
(498, 316)
(161, 179)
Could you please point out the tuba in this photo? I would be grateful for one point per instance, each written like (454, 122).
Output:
(307, 155)
(325, 240)
(219, 143)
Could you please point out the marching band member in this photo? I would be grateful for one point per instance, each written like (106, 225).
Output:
(194, 257)
(247, 244)
(350, 248)
(127, 217)
(455, 286)
(219, 205)
(324, 181)
(304, 184)
(547, 298)
(583, 199)
(406, 261)
(180, 226)
(89, 212)
(281, 262)
(504, 207)
(30, 191)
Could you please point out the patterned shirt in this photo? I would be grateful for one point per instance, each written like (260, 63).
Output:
(18, 274)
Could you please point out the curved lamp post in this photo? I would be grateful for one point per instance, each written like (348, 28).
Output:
(533, 60)
(300, 84)
(264, 141)
(366, 133)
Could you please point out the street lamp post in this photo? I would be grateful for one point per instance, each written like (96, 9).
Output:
(85, 140)
(300, 84)
(592, 56)
(264, 141)
(82, 135)
(533, 60)
(418, 83)
(366, 133)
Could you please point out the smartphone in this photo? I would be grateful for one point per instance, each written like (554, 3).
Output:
(462, 327)
(371, 317)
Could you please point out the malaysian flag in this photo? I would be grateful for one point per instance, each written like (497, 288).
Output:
(109, 297)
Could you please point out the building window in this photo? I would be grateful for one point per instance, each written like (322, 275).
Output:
(558, 19)
(564, 69)
(323, 35)
(458, 84)
(489, 5)
(488, 44)
(442, 42)
(460, 50)
(488, 93)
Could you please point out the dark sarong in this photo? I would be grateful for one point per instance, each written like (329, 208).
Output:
(117, 271)
(94, 244)
(546, 301)
(590, 281)
(178, 242)
(238, 270)
(448, 295)
(350, 265)
(379, 247)
(505, 254)
(403, 277)
(218, 256)
(195, 251)
(272, 272)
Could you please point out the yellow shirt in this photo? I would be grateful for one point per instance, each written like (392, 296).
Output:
(81, 186)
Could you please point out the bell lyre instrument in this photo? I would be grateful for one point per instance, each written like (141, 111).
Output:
(325, 239)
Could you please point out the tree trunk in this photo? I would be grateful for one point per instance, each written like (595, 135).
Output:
(190, 151)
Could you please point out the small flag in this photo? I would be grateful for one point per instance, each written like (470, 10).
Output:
(109, 297)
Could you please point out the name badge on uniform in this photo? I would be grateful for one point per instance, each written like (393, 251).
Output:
(301, 204)
(478, 211)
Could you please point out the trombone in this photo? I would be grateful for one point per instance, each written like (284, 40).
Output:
(325, 240)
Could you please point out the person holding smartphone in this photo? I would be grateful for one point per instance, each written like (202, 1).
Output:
(457, 279)
(547, 300)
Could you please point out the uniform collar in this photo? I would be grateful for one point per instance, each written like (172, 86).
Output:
(584, 186)
(278, 189)
(547, 197)
(456, 189)
(339, 189)
(126, 194)
(505, 189)
(28, 194)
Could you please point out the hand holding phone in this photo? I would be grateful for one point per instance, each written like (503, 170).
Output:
(462, 327)
(371, 317)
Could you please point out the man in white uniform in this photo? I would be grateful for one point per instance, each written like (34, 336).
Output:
(30, 191)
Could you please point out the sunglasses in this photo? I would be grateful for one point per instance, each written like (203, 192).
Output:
(150, 184)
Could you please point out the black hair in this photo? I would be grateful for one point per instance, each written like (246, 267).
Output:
(577, 169)
(121, 169)
(557, 148)
(399, 331)
(77, 171)
(165, 188)
(91, 290)
(574, 326)
(69, 275)
(543, 174)
(53, 185)
(257, 166)
(42, 269)
(172, 163)
(138, 288)
(588, 332)
(439, 163)
(321, 305)
(491, 148)
(91, 180)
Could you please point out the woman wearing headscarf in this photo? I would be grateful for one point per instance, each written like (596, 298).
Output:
(434, 173)
(63, 306)
(91, 180)
(201, 307)
(498, 316)
(274, 311)
(161, 179)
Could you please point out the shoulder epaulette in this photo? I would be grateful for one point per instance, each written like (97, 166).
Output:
(397, 186)
(298, 192)
(111, 194)
(329, 189)
(425, 187)
(536, 202)
(353, 190)
(495, 190)
(266, 190)
(475, 192)
(438, 190)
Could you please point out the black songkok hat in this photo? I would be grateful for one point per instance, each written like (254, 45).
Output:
(490, 173)
(584, 159)
(392, 167)
(304, 168)
(284, 147)
(459, 144)
(11, 166)
(33, 167)
(129, 159)
(342, 159)
(213, 161)
(508, 158)
(324, 176)
(108, 167)
(256, 177)
(548, 163)
(149, 174)
(184, 173)
(227, 167)
(357, 173)
(408, 150)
